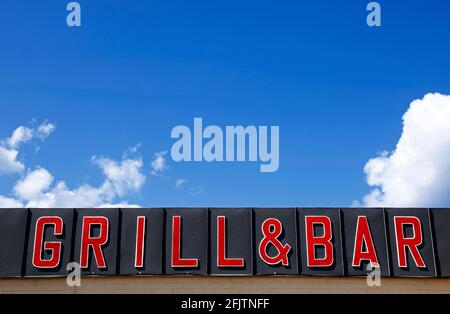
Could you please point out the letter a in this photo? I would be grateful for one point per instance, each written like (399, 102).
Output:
(74, 17)
(374, 17)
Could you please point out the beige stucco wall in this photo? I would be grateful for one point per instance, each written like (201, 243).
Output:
(225, 285)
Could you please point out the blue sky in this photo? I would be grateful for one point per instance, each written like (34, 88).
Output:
(135, 69)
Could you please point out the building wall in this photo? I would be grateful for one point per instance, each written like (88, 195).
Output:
(224, 285)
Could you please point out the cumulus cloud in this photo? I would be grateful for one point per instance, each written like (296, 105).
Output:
(125, 176)
(6, 202)
(33, 184)
(9, 162)
(417, 172)
(38, 189)
(121, 179)
(20, 135)
(9, 147)
(159, 163)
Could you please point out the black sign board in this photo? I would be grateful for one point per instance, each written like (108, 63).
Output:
(276, 247)
(397, 242)
(96, 241)
(49, 242)
(141, 243)
(320, 242)
(186, 242)
(365, 245)
(13, 230)
(411, 245)
(441, 232)
(231, 242)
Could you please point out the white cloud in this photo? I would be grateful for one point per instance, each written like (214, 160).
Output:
(9, 162)
(159, 163)
(62, 197)
(121, 179)
(43, 195)
(9, 146)
(20, 135)
(417, 172)
(33, 184)
(9, 203)
(36, 189)
(44, 130)
(125, 176)
(180, 182)
(132, 150)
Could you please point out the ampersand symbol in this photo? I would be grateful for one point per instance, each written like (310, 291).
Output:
(272, 229)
